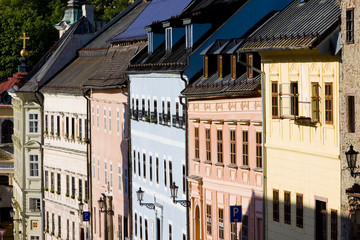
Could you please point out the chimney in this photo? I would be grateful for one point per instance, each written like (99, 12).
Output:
(88, 12)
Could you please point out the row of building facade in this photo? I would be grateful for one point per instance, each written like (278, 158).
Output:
(158, 121)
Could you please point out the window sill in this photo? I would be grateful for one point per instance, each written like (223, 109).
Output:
(258, 169)
(219, 164)
(245, 167)
(207, 162)
(232, 166)
(196, 160)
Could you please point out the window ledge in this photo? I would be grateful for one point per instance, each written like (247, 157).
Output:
(196, 160)
(207, 162)
(232, 166)
(219, 164)
(258, 169)
(245, 167)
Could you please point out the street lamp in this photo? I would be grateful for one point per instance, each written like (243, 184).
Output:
(12, 215)
(351, 157)
(140, 196)
(81, 207)
(103, 206)
(174, 191)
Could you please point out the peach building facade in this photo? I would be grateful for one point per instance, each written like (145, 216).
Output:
(237, 180)
(109, 163)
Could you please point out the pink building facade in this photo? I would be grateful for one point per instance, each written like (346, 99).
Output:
(225, 148)
(109, 164)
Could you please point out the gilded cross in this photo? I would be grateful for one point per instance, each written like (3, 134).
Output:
(24, 38)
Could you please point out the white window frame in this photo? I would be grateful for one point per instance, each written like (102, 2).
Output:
(111, 175)
(189, 35)
(34, 204)
(97, 117)
(117, 121)
(119, 177)
(105, 172)
(94, 160)
(33, 122)
(150, 42)
(105, 119)
(35, 162)
(168, 38)
(35, 237)
(98, 168)
(109, 119)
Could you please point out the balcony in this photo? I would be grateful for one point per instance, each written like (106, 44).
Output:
(153, 117)
(134, 114)
(178, 121)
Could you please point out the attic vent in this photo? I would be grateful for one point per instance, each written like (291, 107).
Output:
(303, 1)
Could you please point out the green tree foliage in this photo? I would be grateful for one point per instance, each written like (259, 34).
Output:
(107, 9)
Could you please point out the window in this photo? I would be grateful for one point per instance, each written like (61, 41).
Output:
(351, 114)
(219, 146)
(232, 147)
(99, 223)
(315, 102)
(137, 108)
(294, 99)
(93, 167)
(135, 220)
(208, 219)
(119, 226)
(221, 223)
(73, 186)
(34, 204)
(73, 230)
(168, 38)
(148, 109)
(98, 169)
(58, 125)
(208, 144)
(245, 148)
(165, 183)
(67, 127)
(163, 111)
(141, 228)
(105, 173)
(249, 61)
(350, 25)
(287, 208)
(34, 165)
(220, 66)
(33, 122)
(118, 121)
(299, 210)
(53, 222)
(52, 124)
(334, 225)
(144, 165)
(233, 66)
(233, 232)
(244, 227)
(80, 188)
(150, 168)
(139, 171)
(157, 170)
(86, 189)
(170, 173)
(111, 175)
(206, 67)
(109, 119)
(134, 162)
(259, 150)
(47, 221)
(72, 127)
(143, 108)
(168, 111)
(34, 237)
(197, 143)
(67, 184)
(125, 227)
(119, 177)
(59, 183)
(68, 228)
(275, 100)
(276, 205)
(146, 230)
(97, 116)
(52, 181)
(184, 178)
(105, 119)
(328, 103)
(150, 42)
(189, 35)
(59, 225)
(154, 118)
(170, 232)
(46, 124)
(92, 116)
(46, 180)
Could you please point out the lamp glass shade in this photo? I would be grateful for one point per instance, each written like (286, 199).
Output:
(140, 194)
(174, 190)
(81, 206)
(12, 213)
(351, 157)
(101, 203)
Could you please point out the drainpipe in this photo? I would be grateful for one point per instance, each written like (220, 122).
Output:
(88, 157)
(36, 92)
(263, 137)
(185, 105)
(129, 160)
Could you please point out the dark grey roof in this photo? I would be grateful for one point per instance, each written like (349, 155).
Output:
(215, 86)
(299, 25)
(221, 46)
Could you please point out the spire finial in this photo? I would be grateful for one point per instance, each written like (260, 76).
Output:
(24, 52)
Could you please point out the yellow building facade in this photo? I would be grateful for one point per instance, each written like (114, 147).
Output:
(302, 168)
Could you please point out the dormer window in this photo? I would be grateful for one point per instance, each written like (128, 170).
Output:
(233, 66)
(250, 63)
(150, 42)
(206, 69)
(168, 38)
(189, 35)
(220, 66)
